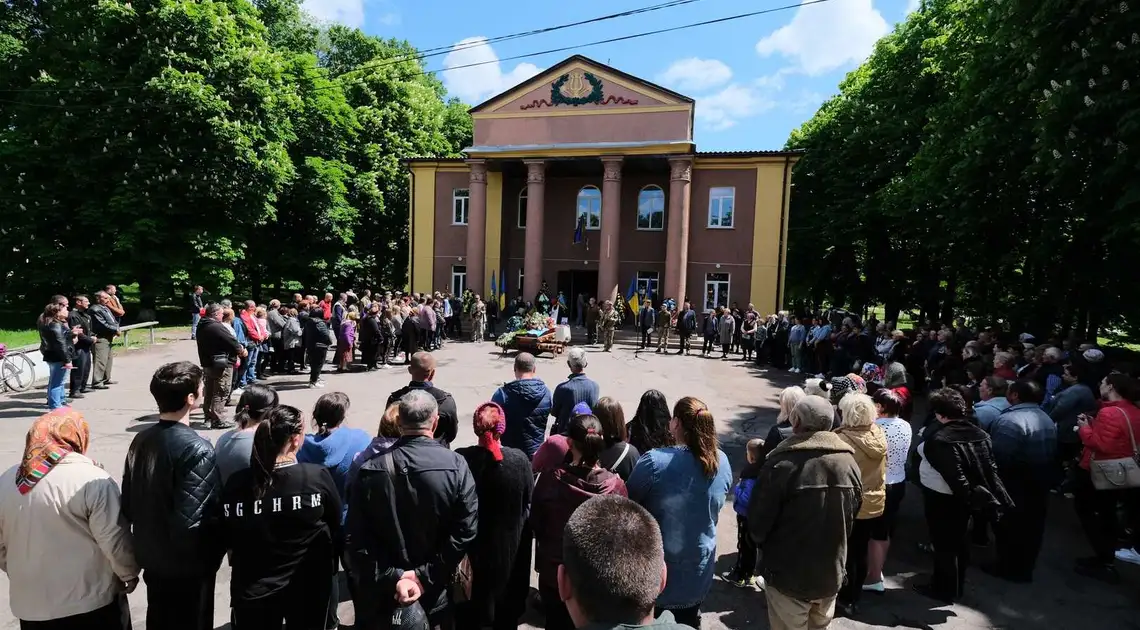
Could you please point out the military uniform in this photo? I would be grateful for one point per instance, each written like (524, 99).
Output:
(664, 329)
(607, 323)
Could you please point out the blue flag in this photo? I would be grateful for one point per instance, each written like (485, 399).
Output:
(580, 232)
(502, 290)
(494, 293)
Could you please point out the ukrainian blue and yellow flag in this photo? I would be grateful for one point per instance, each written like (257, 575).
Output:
(494, 293)
(631, 297)
(502, 290)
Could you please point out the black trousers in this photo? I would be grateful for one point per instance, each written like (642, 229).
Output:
(684, 342)
(646, 338)
(82, 370)
(369, 352)
(278, 354)
(179, 603)
(1021, 529)
(948, 520)
(316, 362)
(298, 608)
(1099, 516)
(746, 551)
(113, 616)
(856, 563)
(557, 617)
(709, 344)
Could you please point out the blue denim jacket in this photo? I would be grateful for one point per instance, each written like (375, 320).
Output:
(670, 484)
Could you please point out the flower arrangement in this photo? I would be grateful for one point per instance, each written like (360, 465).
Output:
(520, 325)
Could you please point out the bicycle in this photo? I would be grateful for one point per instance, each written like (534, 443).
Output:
(17, 372)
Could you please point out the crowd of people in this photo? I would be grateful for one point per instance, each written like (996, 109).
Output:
(76, 343)
(431, 537)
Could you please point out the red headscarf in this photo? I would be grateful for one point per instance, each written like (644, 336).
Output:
(490, 422)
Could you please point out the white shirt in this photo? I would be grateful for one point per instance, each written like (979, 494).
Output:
(928, 477)
(898, 433)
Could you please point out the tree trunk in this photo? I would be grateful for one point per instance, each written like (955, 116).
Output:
(891, 311)
(951, 294)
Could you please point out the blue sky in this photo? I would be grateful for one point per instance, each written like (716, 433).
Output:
(754, 79)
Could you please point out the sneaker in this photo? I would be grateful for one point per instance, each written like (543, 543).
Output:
(1128, 555)
(320, 384)
(222, 424)
(877, 587)
(820, 376)
(732, 578)
(237, 392)
(385, 366)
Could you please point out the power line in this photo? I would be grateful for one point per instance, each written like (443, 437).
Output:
(610, 40)
(425, 53)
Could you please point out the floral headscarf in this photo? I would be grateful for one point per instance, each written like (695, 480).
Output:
(52, 436)
(490, 421)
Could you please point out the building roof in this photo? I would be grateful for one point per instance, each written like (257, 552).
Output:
(749, 154)
(557, 69)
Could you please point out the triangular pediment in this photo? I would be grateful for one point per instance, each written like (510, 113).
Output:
(580, 83)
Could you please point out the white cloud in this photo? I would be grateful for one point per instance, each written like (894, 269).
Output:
(389, 19)
(347, 12)
(477, 83)
(912, 6)
(725, 108)
(828, 36)
(696, 74)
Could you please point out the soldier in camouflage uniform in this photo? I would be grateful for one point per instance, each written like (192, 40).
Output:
(607, 322)
(666, 321)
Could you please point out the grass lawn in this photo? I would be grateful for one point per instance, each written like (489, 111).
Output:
(19, 338)
(138, 337)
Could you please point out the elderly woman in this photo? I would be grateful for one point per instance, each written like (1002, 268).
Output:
(783, 427)
(859, 430)
(503, 482)
(66, 546)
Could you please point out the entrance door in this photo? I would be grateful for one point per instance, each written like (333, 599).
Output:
(573, 282)
(716, 290)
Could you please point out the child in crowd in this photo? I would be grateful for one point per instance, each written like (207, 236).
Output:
(744, 574)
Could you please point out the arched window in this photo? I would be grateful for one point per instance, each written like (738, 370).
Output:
(590, 206)
(522, 208)
(651, 208)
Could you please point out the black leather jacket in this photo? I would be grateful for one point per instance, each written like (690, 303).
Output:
(55, 343)
(961, 453)
(422, 519)
(171, 496)
(81, 318)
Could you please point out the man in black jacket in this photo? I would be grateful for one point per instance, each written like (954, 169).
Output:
(171, 492)
(422, 369)
(413, 515)
(218, 350)
(686, 326)
(195, 307)
(315, 338)
(80, 319)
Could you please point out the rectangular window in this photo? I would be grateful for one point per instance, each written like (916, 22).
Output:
(651, 209)
(722, 203)
(520, 281)
(522, 209)
(647, 285)
(460, 197)
(716, 290)
(589, 206)
(458, 279)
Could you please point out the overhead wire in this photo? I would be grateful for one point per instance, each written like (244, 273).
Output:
(529, 55)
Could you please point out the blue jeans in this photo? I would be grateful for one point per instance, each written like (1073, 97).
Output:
(194, 317)
(250, 368)
(57, 376)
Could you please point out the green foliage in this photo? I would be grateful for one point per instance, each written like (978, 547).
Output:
(216, 142)
(981, 161)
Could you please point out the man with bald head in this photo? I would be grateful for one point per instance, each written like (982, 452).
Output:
(422, 370)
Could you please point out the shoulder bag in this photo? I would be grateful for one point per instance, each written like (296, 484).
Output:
(1118, 474)
(460, 587)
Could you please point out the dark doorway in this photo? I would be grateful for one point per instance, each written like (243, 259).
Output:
(571, 283)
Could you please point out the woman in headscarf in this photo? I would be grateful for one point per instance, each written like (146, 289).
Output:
(503, 482)
(649, 428)
(68, 551)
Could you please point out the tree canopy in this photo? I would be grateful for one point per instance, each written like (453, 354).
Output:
(216, 142)
(983, 161)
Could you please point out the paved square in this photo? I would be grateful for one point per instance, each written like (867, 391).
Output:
(743, 401)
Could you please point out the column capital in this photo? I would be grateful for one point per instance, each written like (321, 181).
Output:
(535, 171)
(478, 171)
(681, 169)
(612, 166)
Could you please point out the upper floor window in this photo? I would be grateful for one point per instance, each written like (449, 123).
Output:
(651, 208)
(522, 208)
(722, 203)
(460, 198)
(590, 206)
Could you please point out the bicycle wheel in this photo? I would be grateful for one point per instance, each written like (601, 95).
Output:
(17, 372)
